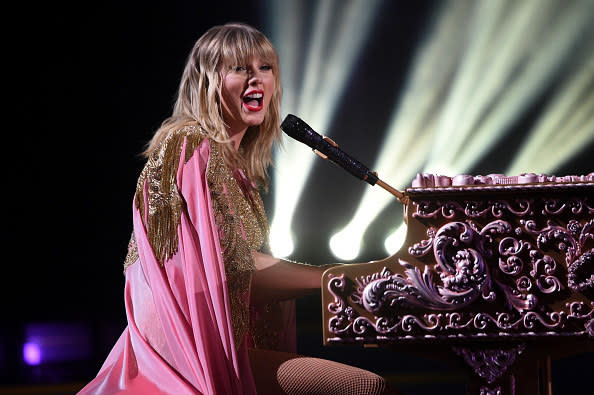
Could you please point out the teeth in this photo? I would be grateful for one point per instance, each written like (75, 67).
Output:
(254, 96)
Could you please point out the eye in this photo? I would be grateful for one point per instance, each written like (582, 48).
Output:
(266, 67)
(239, 69)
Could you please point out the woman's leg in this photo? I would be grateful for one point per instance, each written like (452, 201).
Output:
(286, 373)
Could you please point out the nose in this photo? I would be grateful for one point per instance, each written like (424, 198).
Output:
(255, 77)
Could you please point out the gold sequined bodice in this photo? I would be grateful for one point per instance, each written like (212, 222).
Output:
(236, 214)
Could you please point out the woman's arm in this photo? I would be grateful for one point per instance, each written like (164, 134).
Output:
(278, 279)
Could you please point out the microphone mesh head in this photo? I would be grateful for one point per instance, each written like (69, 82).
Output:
(295, 127)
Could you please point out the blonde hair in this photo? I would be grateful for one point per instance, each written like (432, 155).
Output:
(199, 97)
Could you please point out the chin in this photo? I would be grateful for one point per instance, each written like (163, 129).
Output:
(254, 121)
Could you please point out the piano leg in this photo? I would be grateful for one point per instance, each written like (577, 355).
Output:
(545, 377)
(499, 369)
(522, 378)
(524, 369)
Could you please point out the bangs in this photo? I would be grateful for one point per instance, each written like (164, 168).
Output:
(240, 46)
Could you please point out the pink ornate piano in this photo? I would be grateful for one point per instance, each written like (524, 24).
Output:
(496, 276)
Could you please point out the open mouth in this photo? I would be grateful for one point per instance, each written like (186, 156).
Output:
(252, 101)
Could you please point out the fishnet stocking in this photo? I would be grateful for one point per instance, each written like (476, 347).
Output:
(291, 374)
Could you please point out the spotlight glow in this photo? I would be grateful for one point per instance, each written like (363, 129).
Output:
(479, 69)
(566, 126)
(56, 342)
(412, 126)
(503, 90)
(281, 241)
(395, 241)
(32, 353)
(335, 43)
(499, 64)
(346, 244)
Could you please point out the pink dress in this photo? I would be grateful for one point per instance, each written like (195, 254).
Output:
(188, 274)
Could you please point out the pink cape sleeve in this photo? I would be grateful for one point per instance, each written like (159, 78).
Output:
(179, 338)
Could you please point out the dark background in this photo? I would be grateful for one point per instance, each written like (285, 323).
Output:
(89, 85)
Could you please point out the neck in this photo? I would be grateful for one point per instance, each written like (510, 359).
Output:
(236, 136)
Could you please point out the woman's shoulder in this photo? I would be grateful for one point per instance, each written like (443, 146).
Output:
(187, 138)
(165, 158)
(193, 133)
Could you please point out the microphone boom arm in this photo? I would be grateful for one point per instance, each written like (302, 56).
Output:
(327, 149)
(399, 195)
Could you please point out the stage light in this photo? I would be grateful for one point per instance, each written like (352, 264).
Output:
(32, 353)
(567, 125)
(346, 244)
(395, 241)
(281, 240)
(56, 342)
(508, 56)
(339, 31)
(479, 69)
(404, 149)
(504, 89)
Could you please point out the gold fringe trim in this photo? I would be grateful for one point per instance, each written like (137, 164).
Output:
(158, 179)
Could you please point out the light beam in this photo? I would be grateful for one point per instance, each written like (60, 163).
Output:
(566, 127)
(411, 128)
(509, 54)
(334, 45)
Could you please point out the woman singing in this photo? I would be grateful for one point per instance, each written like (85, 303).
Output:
(208, 308)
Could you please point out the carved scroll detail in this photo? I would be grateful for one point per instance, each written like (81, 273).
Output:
(460, 251)
(570, 240)
(578, 319)
(473, 208)
(498, 256)
(490, 364)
